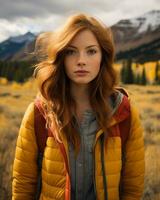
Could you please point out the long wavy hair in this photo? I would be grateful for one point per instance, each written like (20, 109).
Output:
(54, 85)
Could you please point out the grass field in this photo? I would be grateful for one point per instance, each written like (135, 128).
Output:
(14, 99)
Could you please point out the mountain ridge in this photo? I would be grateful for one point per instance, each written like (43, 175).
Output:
(134, 38)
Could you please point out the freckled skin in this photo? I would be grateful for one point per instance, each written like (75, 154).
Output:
(83, 53)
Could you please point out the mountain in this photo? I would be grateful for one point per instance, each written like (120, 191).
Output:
(138, 38)
(17, 48)
(28, 37)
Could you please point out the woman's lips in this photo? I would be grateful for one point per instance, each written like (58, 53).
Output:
(81, 72)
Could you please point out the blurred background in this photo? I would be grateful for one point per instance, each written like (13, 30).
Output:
(136, 29)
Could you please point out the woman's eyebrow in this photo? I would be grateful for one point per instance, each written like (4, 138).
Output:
(85, 47)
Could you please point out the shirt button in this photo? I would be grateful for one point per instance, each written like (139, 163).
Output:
(80, 164)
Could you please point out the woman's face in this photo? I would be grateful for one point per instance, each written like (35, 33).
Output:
(83, 58)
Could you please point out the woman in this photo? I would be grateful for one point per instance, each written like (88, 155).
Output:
(94, 149)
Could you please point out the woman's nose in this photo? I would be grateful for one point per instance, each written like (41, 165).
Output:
(81, 59)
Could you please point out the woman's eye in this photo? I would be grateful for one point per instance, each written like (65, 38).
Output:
(69, 52)
(92, 51)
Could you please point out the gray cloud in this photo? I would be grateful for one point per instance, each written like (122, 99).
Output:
(20, 16)
(32, 8)
(19, 8)
(12, 10)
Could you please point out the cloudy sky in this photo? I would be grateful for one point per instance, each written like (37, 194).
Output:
(19, 16)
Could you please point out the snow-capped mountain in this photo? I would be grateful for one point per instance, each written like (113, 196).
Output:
(129, 29)
(28, 37)
(16, 45)
(148, 21)
(137, 38)
(137, 35)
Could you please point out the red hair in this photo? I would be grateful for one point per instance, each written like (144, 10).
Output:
(54, 84)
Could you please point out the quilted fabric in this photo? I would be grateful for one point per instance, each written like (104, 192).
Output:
(54, 175)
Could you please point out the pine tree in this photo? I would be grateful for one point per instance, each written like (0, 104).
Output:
(137, 77)
(143, 78)
(128, 75)
(157, 73)
(122, 72)
(1, 67)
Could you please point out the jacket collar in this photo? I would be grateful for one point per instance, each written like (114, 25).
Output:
(122, 111)
(119, 114)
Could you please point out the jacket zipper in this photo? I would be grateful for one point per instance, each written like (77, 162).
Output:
(94, 172)
(94, 176)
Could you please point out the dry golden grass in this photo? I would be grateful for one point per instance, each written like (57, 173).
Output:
(147, 100)
(15, 98)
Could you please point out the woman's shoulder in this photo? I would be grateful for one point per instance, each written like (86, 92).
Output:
(30, 109)
(122, 90)
(133, 107)
(119, 98)
(28, 118)
(127, 100)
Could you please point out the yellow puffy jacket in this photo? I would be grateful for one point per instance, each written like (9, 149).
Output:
(55, 177)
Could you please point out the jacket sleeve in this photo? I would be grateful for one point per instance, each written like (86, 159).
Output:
(25, 161)
(134, 166)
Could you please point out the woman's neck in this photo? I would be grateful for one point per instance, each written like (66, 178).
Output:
(80, 93)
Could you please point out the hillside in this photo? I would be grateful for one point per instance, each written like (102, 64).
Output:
(137, 38)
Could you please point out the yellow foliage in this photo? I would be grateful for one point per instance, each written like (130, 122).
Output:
(30, 84)
(150, 70)
(137, 68)
(16, 85)
(3, 81)
(27, 84)
(117, 66)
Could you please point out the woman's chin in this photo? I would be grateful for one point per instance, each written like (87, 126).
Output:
(81, 82)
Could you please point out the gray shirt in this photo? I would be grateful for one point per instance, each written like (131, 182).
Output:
(81, 168)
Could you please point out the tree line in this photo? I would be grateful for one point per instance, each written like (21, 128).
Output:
(129, 76)
(18, 71)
